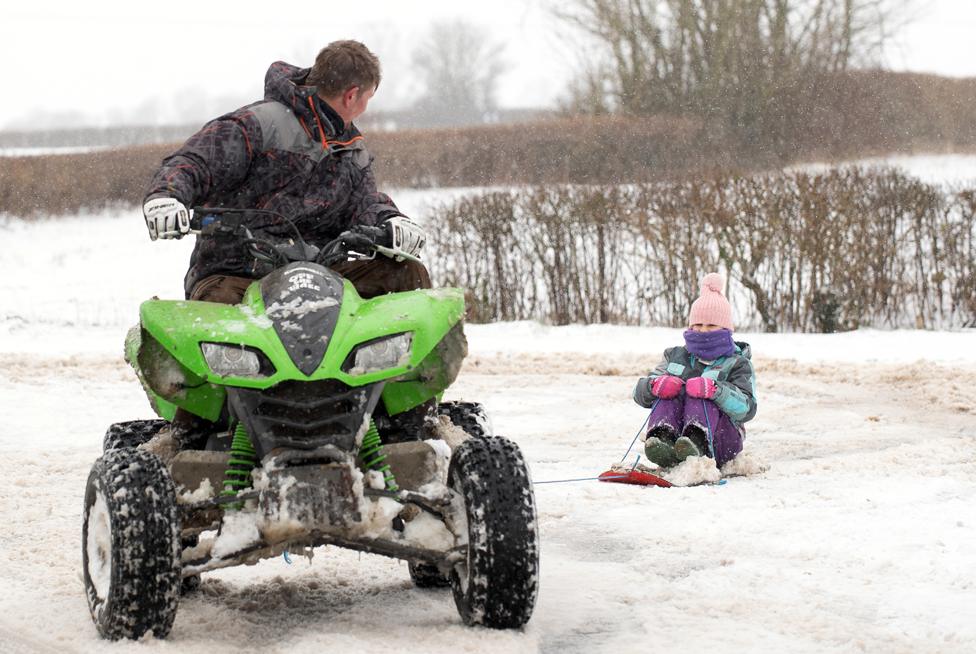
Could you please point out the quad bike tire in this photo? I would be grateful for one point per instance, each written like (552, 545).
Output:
(131, 434)
(425, 575)
(469, 416)
(190, 584)
(497, 584)
(472, 418)
(131, 545)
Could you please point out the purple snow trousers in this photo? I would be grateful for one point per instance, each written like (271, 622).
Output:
(682, 412)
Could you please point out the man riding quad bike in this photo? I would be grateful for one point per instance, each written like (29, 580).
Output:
(298, 389)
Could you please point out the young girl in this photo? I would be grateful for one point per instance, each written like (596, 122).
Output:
(701, 393)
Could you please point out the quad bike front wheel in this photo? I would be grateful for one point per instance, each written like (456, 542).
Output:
(496, 585)
(131, 545)
(472, 418)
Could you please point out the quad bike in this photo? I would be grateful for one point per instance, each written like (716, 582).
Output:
(304, 384)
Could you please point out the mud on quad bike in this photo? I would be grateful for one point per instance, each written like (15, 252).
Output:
(304, 383)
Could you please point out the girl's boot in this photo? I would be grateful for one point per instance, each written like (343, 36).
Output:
(659, 446)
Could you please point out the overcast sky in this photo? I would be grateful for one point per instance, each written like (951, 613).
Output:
(102, 62)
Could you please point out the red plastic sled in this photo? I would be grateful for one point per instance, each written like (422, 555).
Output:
(634, 477)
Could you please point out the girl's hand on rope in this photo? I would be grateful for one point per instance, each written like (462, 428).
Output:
(666, 386)
(702, 387)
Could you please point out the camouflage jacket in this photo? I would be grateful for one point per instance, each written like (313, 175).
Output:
(735, 379)
(289, 153)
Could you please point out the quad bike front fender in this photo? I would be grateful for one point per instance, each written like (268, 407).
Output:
(168, 358)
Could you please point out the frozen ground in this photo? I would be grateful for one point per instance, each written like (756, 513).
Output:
(858, 538)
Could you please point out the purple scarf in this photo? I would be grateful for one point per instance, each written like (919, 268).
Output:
(709, 345)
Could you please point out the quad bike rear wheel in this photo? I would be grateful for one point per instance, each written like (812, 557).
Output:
(131, 545)
(497, 584)
(425, 575)
(131, 434)
(469, 416)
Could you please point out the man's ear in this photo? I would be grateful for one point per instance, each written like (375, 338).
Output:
(350, 95)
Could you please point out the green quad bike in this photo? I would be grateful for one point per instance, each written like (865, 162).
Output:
(304, 382)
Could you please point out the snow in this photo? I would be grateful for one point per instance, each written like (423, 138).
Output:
(952, 169)
(38, 152)
(429, 532)
(298, 307)
(440, 447)
(516, 340)
(858, 536)
(374, 479)
(203, 492)
(955, 170)
(238, 530)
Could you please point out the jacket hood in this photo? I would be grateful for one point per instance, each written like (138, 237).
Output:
(746, 349)
(285, 83)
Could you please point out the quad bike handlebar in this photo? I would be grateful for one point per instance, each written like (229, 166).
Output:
(358, 242)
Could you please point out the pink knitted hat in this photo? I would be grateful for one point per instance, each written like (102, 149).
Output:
(711, 308)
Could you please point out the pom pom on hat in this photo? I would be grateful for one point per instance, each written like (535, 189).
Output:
(712, 282)
(711, 308)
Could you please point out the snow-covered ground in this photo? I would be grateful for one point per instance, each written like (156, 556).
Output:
(858, 537)
(37, 152)
(950, 169)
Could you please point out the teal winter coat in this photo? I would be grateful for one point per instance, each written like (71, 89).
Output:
(734, 377)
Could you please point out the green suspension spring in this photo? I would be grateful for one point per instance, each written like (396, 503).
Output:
(374, 458)
(242, 461)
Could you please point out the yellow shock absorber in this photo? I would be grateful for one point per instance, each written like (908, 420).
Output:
(374, 458)
(242, 461)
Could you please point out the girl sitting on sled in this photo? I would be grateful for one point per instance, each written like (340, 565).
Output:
(702, 392)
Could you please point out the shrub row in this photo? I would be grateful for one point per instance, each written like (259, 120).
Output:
(855, 114)
(598, 149)
(838, 250)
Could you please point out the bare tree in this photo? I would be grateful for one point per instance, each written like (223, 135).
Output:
(743, 62)
(460, 67)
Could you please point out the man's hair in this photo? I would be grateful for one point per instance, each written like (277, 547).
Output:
(342, 65)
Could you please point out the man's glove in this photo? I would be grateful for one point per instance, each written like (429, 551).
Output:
(702, 387)
(397, 238)
(365, 236)
(666, 386)
(166, 218)
(406, 236)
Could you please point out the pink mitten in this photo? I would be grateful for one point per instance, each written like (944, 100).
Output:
(702, 387)
(666, 386)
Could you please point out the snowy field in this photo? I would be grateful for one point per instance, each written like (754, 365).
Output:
(954, 170)
(857, 538)
(39, 152)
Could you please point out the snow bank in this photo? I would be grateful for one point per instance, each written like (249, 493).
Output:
(861, 346)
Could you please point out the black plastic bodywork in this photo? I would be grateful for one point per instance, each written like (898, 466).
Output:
(304, 416)
(303, 301)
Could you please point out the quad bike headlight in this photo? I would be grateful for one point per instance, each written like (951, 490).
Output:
(233, 360)
(381, 354)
